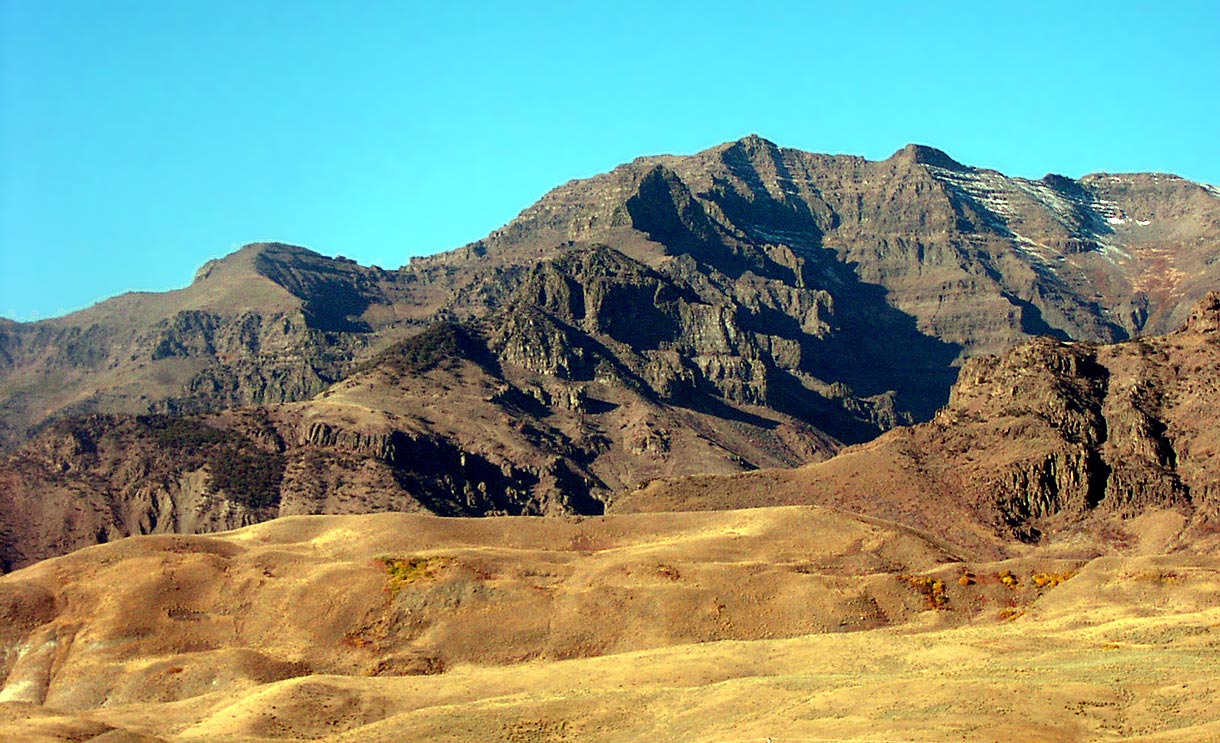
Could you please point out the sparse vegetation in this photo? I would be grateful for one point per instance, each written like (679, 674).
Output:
(427, 350)
(403, 571)
(247, 475)
(1162, 577)
(358, 639)
(188, 434)
(585, 544)
(932, 589)
(237, 467)
(668, 572)
(535, 731)
(1008, 578)
(1050, 580)
(409, 664)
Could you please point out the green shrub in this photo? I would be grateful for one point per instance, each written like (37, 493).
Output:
(933, 589)
(402, 571)
(247, 475)
(419, 353)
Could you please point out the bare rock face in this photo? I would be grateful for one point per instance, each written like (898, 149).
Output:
(881, 277)
(90, 480)
(1031, 445)
(747, 306)
(975, 257)
(1204, 320)
(872, 278)
(1045, 382)
(234, 337)
(1128, 417)
(1124, 416)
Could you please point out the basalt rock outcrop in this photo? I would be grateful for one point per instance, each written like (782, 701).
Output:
(234, 337)
(879, 275)
(746, 307)
(1130, 420)
(1032, 445)
(973, 257)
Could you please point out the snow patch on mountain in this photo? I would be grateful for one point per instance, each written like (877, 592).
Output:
(1081, 211)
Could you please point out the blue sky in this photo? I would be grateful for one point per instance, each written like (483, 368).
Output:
(139, 139)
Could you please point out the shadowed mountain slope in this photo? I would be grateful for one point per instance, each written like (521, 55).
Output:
(1043, 443)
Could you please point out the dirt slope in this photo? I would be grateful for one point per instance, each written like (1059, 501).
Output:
(790, 623)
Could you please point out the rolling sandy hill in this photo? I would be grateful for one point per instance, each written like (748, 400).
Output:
(792, 623)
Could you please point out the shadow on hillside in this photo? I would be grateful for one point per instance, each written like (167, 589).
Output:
(873, 348)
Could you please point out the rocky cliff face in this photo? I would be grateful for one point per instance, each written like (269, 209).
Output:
(1031, 445)
(599, 374)
(89, 480)
(830, 263)
(748, 306)
(877, 278)
(234, 337)
(1128, 423)
(974, 257)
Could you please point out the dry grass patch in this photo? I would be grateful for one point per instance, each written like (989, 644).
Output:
(932, 589)
(403, 571)
(1050, 580)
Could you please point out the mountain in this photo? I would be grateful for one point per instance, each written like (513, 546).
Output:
(748, 306)
(268, 323)
(976, 258)
(816, 255)
(1059, 442)
(1000, 393)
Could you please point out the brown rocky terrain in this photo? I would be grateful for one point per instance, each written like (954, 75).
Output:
(235, 336)
(749, 306)
(1055, 442)
(437, 422)
(819, 265)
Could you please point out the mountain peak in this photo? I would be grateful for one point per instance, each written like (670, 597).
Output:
(756, 140)
(247, 258)
(751, 144)
(925, 155)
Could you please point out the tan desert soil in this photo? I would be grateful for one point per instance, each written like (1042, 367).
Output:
(800, 624)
